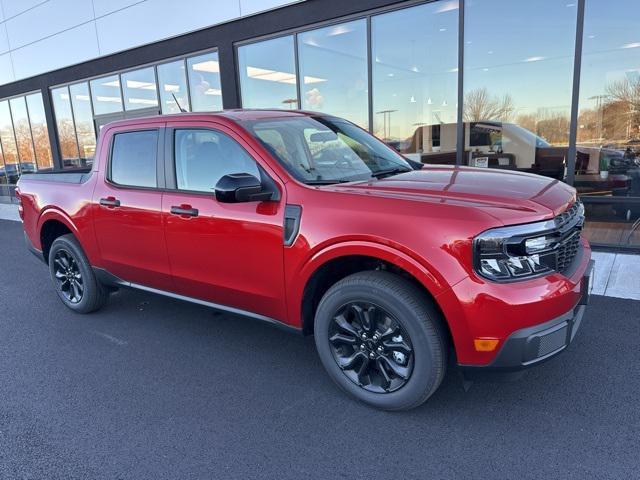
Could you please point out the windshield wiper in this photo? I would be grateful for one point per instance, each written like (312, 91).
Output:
(388, 173)
(327, 182)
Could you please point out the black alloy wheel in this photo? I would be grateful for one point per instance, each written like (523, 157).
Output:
(73, 277)
(371, 347)
(68, 276)
(381, 339)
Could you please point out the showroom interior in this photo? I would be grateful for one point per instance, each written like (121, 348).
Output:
(550, 87)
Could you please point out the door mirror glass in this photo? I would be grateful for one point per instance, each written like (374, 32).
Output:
(241, 187)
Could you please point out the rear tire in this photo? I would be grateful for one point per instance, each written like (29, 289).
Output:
(73, 277)
(382, 340)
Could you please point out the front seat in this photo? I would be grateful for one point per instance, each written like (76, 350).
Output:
(205, 168)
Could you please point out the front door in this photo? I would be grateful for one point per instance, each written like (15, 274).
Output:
(226, 253)
(128, 206)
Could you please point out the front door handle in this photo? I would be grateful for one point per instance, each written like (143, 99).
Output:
(110, 202)
(184, 211)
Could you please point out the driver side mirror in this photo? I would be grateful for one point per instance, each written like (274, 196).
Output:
(241, 187)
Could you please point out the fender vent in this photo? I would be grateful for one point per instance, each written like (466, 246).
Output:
(292, 216)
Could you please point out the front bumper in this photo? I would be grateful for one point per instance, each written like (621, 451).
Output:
(532, 345)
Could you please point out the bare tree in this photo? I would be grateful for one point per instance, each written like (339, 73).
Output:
(626, 91)
(624, 96)
(480, 105)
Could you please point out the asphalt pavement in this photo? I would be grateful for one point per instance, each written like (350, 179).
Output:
(153, 388)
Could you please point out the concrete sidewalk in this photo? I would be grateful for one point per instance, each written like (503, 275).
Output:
(616, 275)
(9, 211)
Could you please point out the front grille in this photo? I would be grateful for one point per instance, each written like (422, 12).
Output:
(567, 251)
(570, 223)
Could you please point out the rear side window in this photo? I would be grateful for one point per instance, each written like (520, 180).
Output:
(134, 157)
(203, 157)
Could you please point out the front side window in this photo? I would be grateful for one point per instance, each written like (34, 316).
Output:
(134, 157)
(326, 150)
(203, 157)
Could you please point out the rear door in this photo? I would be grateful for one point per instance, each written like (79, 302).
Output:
(128, 206)
(226, 253)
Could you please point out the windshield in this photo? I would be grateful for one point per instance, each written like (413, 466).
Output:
(326, 150)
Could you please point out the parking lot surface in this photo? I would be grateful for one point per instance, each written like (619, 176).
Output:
(151, 387)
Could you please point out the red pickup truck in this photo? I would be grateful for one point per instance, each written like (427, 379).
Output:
(307, 221)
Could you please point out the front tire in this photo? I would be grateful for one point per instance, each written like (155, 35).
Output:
(73, 277)
(381, 340)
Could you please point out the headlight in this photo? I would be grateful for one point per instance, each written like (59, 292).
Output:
(517, 252)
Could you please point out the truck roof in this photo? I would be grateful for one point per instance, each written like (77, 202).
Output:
(234, 114)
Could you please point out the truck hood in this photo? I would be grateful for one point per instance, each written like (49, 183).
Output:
(509, 196)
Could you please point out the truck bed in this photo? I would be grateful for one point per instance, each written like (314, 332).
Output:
(75, 176)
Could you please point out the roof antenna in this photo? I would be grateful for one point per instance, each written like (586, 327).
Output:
(182, 110)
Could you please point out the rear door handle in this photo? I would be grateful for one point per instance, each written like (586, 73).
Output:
(184, 211)
(110, 202)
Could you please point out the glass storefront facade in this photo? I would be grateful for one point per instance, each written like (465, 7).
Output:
(191, 84)
(333, 71)
(414, 85)
(607, 167)
(267, 72)
(484, 83)
(24, 139)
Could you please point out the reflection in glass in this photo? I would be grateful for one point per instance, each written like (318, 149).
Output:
(39, 130)
(333, 69)
(133, 161)
(415, 55)
(517, 84)
(139, 89)
(22, 131)
(203, 157)
(9, 148)
(3, 174)
(204, 82)
(83, 116)
(268, 74)
(608, 150)
(65, 126)
(172, 79)
(105, 93)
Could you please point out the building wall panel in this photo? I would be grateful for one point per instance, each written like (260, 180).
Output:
(47, 19)
(72, 46)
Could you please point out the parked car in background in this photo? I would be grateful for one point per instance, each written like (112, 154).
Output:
(308, 222)
(10, 172)
(489, 144)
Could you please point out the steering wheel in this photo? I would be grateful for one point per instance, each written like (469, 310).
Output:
(335, 158)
